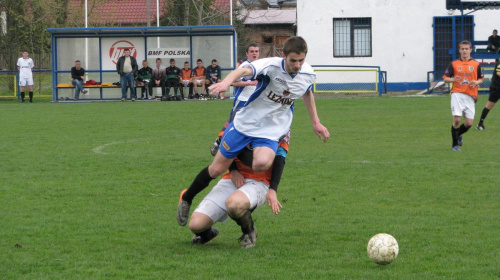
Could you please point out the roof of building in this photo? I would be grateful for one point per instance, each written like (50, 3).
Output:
(271, 17)
(116, 12)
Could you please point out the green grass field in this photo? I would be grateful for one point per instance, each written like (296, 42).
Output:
(89, 191)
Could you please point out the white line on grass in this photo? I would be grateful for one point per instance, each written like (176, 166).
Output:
(99, 149)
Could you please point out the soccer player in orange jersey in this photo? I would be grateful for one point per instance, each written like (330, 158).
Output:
(465, 74)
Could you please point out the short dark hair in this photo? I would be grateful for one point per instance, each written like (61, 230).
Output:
(296, 45)
(77, 61)
(158, 59)
(172, 60)
(199, 60)
(494, 30)
(186, 62)
(214, 60)
(145, 60)
(251, 45)
(125, 50)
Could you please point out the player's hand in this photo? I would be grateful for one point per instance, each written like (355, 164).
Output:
(272, 200)
(321, 131)
(237, 179)
(219, 87)
(456, 79)
(474, 83)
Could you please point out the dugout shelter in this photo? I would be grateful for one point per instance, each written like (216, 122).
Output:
(98, 49)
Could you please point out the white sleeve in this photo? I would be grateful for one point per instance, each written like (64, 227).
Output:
(260, 66)
(18, 63)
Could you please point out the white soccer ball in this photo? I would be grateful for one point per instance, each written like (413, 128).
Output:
(382, 248)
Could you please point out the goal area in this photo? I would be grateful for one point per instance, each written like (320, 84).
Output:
(349, 79)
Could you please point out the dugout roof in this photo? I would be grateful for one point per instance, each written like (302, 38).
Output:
(143, 31)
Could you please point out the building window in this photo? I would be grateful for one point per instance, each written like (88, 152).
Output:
(267, 39)
(352, 37)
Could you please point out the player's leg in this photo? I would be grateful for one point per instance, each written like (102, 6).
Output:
(457, 109)
(468, 112)
(492, 100)
(234, 143)
(22, 86)
(211, 209)
(263, 157)
(30, 87)
(240, 206)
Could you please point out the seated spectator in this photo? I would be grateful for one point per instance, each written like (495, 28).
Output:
(158, 78)
(77, 77)
(172, 80)
(199, 77)
(186, 79)
(494, 42)
(213, 74)
(144, 76)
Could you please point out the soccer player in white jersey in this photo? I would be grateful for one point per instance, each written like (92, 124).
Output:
(243, 88)
(265, 117)
(24, 66)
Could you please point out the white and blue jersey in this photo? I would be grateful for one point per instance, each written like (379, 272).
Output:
(268, 112)
(243, 93)
(25, 66)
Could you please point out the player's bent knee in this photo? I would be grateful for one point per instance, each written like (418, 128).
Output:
(198, 223)
(237, 203)
(260, 166)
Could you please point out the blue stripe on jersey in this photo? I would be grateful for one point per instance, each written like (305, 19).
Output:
(261, 86)
(237, 91)
(254, 72)
(292, 107)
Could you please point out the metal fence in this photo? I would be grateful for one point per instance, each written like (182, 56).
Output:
(9, 85)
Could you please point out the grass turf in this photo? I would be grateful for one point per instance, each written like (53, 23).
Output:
(89, 191)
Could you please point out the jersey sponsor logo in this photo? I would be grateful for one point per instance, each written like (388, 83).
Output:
(279, 99)
(225, 145)
(459, 68)
(116, 50)
(279, 80)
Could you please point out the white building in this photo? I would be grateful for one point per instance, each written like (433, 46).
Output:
(398, 35)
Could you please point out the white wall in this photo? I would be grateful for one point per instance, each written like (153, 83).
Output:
(402, 33)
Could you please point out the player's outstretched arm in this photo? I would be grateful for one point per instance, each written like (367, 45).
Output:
(223, 86)
(318, 128)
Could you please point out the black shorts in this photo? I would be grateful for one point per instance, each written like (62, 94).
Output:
(494, 95)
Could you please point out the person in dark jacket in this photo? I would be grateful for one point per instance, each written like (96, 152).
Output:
(127, 69)
(213, 74)
(77, 77)
(172, 80)
(144, 76)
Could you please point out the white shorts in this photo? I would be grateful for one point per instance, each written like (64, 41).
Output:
(25, 82)
(214, 204)
(463, 105)
(199, 81)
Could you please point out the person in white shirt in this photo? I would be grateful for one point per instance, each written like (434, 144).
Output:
(265, 116)
(24, 66)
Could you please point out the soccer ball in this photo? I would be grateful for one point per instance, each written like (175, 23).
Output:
(382, 248)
